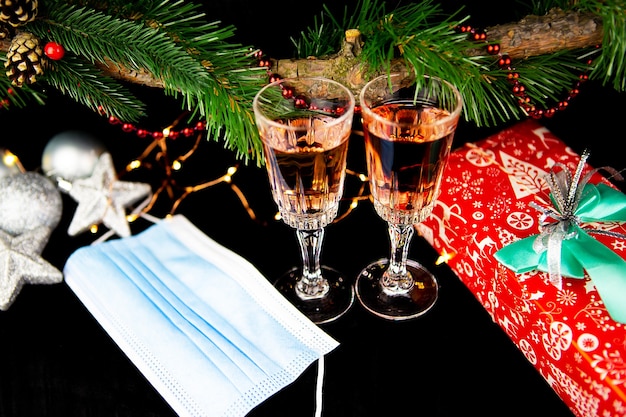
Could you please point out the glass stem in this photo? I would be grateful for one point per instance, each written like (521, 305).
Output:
(396, 279)
(311, 284)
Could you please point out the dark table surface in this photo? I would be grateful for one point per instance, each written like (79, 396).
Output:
(454, 361)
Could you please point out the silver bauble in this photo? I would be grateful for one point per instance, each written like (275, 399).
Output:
(71, 155)
(4, 168)
(28, 200)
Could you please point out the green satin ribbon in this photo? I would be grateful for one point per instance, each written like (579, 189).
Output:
(564, 248)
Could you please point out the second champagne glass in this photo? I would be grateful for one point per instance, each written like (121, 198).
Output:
(305, 124)
(408, 124)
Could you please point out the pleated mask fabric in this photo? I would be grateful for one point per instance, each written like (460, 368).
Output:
(201, 323)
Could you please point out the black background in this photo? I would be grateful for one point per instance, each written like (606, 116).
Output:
(55, 359)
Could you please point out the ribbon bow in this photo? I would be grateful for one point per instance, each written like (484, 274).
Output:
(564, 247)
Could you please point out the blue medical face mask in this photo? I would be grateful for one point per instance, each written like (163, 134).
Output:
(201, 323)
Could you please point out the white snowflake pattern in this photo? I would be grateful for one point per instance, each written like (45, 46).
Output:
(465, 185)
(566, 297)
(534, 336)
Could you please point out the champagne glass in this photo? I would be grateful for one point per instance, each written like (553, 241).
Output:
(305, 124)
(408, 124)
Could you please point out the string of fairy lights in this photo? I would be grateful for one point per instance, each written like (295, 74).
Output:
(157, 154)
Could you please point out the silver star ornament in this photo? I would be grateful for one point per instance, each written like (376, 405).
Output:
(103, 199)
(21, 263)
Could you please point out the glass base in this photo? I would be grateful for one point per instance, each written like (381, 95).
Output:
(410, 304)
(320, 310)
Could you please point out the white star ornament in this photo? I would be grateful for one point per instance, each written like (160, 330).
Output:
(103, 199)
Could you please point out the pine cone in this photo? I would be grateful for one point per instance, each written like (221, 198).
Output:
(18, 12)
(6, 31)
(25, 59)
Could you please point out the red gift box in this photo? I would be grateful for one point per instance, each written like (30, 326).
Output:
(566, 334)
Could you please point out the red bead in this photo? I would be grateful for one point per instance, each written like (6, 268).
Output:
(142, 133)
(113, 120)
(493, 49)
(174, 134)
(127, 127)
(54, 51)
(287, 92)
(187, 132)
(274, 78)
(300, 102)
(504, 61)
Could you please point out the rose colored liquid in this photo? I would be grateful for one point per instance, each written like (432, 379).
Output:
(406, 163)
(307, 178)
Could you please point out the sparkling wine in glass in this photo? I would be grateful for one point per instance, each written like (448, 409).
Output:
(305, 124)
(408, 124)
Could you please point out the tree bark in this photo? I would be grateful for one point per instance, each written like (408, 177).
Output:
(531, 36)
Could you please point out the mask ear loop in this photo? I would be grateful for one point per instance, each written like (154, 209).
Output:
(320, 384)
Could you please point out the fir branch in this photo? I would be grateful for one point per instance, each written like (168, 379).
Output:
(610, 67)
(423, 41)
(97, 92)
(95, 36)
(20, 97)
(427, 42)
(193, 60)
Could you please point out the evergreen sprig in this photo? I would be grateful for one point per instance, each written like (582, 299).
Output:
(425, 38)
(97, 92)
(610, 67)
(195, 60)
(20, 97)
(213, 79)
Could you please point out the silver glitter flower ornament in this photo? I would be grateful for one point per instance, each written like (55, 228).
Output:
(102, 198)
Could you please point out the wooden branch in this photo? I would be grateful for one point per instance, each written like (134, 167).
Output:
(531, 36)
(540, 35)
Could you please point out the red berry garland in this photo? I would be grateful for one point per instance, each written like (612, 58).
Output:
(518, 89)
(54, 51)
(300, 101)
